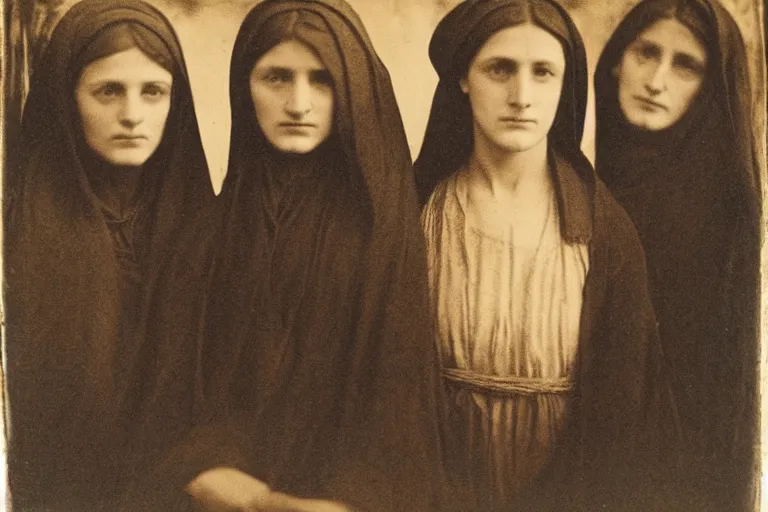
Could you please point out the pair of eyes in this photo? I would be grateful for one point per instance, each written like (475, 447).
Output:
(685, 65)
(151, 92)
(502, 70)
(283, 77)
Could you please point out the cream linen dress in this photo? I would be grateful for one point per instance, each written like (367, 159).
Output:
(507, 321)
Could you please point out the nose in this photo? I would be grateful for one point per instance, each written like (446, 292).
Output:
(300, 99)
(519, 92)
(131, 111)
(656, 82)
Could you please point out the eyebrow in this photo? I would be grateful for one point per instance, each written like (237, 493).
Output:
(689, 60)
(507, 60)
(685, 57)
(283, 69)
(117, 81)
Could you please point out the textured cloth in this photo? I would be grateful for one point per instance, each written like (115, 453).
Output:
(78, 272)
(505, 310)
(692, 192)
(606, 449)
(603, 440)
(318, 373)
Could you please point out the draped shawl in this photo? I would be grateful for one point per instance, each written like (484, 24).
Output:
(70, 368)
(316, 368)
(611, 438)
(692, 190)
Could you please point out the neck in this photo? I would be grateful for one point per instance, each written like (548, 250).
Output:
(115, 185)
(508, 173)
(125, 182)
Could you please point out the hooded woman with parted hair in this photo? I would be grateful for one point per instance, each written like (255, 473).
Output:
(111, 164)
(318, 374)
(675, 146)
(538, 281)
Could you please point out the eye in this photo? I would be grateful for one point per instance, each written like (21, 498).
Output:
(688, 67)
(321, 78)
(500, 70)
(274, 79)
(109, 92)
(646, 51)
(155, 91)
(543, 72)
(277, 77)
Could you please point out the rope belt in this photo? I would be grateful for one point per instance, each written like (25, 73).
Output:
(494, 384)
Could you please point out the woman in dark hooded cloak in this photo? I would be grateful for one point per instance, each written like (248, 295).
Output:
(675, 146)
(318, 370)
(538, 281)
(111, 165)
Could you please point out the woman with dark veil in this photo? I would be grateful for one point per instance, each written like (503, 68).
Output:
(538, 281)
(111, 164)
(318, 378)
(675, 146)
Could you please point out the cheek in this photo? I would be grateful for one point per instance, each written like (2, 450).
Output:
(160, 112)
(687, 94)
(264, 102)
(325, 104)
(487, 98)
(95, 119)
(551, 94)
(628, 75)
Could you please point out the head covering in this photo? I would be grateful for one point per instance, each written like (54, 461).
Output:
(317, 333)
(692, 192)
(457, 38)
(70, 347)
(124, 36)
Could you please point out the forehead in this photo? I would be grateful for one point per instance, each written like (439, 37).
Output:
(672, 36)
(128, 65)
(522, 43)
(291, 54)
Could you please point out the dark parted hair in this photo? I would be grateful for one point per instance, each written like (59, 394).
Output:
(458, 37)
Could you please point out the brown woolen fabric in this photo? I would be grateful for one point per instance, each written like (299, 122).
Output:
(609, 451)
(318, 372)
(692, 192)
(71, 357)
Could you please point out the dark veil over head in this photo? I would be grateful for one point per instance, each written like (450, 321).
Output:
(365, 396)
(722, 106)
(457, 39)
(693, 192)
(69, 362)
(367, 124)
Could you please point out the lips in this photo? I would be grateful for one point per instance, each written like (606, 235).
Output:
(518, 121)
(124, 137)
(297, 125)
(650, 103)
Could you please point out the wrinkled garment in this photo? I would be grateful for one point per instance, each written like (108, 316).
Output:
(77, 277)
(692, 192)
(317, 371)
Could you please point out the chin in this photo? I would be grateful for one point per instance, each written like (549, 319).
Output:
(518, 144)
(647, 122)
(300, 147)
(128, 159)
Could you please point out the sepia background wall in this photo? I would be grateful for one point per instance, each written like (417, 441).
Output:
(400, 30)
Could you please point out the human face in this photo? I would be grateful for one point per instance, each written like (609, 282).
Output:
(123, 100)
(660, 75)
(514, 85)
(292, 95)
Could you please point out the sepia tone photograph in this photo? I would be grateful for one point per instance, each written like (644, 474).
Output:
(382, 255)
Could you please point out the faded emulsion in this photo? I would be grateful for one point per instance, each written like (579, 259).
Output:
(196, 210)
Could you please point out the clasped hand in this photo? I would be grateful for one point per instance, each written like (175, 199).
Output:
(225, 489)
